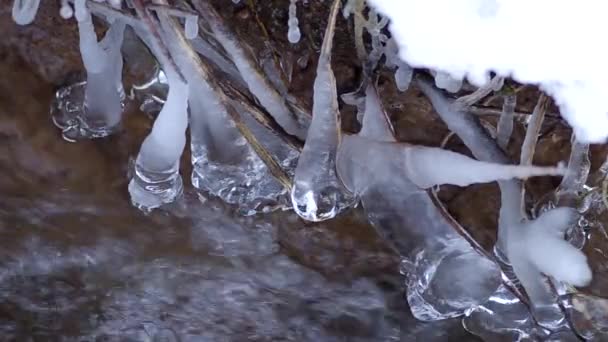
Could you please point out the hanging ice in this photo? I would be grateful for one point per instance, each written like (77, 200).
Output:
(157, 180)
(317, 193)
(445, 275)
(293, 30)
(24, 11)
(444, 272)
(66, 11)
(224, 164)
(96, 110)
(444, 81)
(533, 247)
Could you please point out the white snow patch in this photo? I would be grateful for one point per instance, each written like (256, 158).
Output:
(556, 44)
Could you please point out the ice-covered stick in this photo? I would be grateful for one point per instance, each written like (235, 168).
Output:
(157, 180)
(318, 193)
(258, 84)
(468, 100)
(24, 11)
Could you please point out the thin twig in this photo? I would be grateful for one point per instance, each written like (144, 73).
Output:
(484, 111)
(467, 101)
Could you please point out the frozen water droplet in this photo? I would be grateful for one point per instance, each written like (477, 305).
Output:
(294, 35)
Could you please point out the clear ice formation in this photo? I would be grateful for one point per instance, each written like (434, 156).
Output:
(389, 178)
(225, 166)
(445, 276)
(443, 80)
(293, 29)
(96, 110)
(317, 192)
(223, 163)
(257, 83)
(532, 248)
(156, 180)
(24, 11)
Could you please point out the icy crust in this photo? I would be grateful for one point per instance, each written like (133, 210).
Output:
(224, 165)
(491, 37)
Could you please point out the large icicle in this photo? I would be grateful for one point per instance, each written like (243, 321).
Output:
(95, 112)
(157, 180)
(317, 193)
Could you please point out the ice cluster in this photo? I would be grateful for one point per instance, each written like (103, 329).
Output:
(515, 38)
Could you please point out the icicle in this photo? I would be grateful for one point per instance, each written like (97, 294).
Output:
(375, 123)
(578, 170)
(191, 27)
(157, 180)
(96, 112)
(66, 11)
(505, 122)
(443, 80)
(403, 72)
(317, 193)
(293, 32)
(24, 11)
(223, 163)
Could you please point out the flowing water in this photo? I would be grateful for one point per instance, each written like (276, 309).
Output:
(79, 263)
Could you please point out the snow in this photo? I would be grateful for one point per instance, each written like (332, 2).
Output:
(553, 44)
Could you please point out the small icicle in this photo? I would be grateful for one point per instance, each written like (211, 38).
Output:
(24, 11)
(293, 32)
(191, 27)
(66, 11)
(429, 166)
(445, 81)
(505, 123)
(403, 76)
